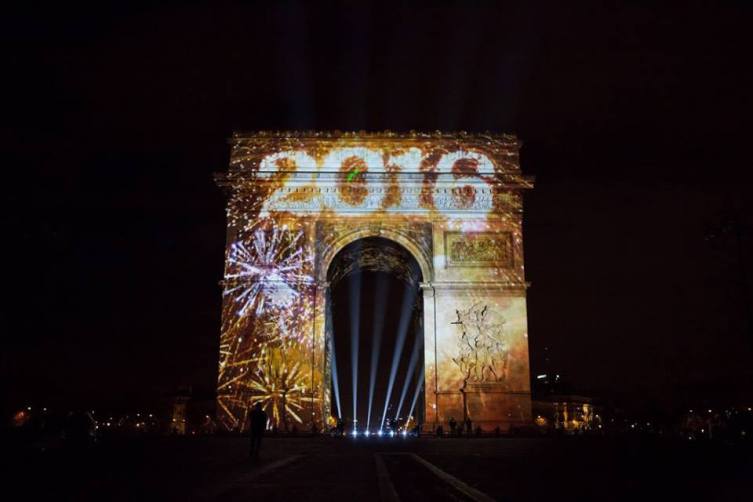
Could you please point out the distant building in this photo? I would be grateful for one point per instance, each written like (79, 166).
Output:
(191, 412)
(180, 402)
(556, 407)
(567, 413)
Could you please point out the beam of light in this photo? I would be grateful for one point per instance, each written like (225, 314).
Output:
(354, 301)
(419, 386)
(405, 316)
(335, 382)
(417, 346)
(380, 303)
(333, 358)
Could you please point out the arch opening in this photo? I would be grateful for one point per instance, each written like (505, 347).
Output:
(375, 337)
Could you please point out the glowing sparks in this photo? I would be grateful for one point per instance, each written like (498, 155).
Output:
(264, 274)
(278, 385)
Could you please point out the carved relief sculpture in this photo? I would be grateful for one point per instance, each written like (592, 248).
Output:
(479, 249)
(483, 354)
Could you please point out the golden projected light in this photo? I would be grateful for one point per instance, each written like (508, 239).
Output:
(278, 384)
(452, 202)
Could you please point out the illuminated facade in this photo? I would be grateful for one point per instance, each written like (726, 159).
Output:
(453, 201)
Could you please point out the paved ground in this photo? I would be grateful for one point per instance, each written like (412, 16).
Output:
(388, 469)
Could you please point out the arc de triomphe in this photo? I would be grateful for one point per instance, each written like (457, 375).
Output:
(452, 201)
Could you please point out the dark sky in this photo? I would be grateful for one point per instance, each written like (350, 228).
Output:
(635, 121)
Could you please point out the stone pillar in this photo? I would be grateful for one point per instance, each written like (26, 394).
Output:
(431, 414)
(486, 377)
(321, 367)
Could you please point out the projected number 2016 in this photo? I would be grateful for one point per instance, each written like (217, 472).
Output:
(353, 164)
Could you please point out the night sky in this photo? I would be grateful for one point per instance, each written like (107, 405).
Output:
(635, 122)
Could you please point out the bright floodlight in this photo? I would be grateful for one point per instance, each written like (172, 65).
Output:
(354, 287)
(405, 316)
(354, 433)
(417, 346)
(405, 433)
(392, 434)
(335, 382)
(380, 302)
(379, 432)
(415, 395)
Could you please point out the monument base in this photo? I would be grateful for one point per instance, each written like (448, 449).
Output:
(487, 405)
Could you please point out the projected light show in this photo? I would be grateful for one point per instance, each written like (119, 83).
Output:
(439, 215)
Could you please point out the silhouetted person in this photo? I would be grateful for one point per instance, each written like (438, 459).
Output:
(453, 425)
(478, 431)
(468, 425)
(439, 431)
(258, 419)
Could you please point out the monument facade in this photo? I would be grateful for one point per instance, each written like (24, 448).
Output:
(452, 201)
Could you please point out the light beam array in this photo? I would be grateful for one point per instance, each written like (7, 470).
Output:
(415, 353)
(354, 300)
(405, 316)
(380, 299)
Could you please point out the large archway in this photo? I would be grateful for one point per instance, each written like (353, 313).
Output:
(452, 202)
(375, 337)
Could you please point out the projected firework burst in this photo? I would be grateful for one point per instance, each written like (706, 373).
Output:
(262, 274)
(278, 385)
(261, 361)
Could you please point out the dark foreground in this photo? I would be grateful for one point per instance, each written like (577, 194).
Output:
(217, 468)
